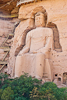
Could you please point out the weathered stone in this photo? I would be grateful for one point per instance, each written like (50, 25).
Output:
(38, 43)
(1, 54)
(7, 5)
(57, 20)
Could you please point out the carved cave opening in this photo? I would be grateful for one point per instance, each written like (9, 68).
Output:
(65, 78)
(59, 79)
(56, 75)
(56, 41)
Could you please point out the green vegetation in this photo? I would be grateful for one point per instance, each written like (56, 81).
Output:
(27, 88)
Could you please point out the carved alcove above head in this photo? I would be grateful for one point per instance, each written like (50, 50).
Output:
(57, 45)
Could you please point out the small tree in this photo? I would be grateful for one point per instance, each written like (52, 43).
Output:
(7, 94)
(1, 91)
(44, 94)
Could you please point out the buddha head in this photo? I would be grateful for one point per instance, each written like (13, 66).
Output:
(40, 20)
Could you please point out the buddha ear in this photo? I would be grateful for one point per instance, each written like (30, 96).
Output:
(45, 14)
(31, 23)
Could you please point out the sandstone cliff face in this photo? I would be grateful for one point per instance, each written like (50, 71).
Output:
(57, 14)
(7, 26)
(8, 21)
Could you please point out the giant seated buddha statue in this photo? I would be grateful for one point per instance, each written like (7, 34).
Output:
(32, 59)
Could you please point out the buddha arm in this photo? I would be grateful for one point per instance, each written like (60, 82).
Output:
(26, 48)
(48, 45)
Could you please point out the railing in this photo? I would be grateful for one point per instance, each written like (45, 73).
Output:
(24, 1)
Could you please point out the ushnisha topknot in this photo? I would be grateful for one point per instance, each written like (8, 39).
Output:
(39, 13)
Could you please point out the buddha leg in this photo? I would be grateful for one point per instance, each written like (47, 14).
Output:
(18, 66)
(33, 64)
(25, 64)
(40, 64)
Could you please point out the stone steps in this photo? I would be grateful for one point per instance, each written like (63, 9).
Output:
(3, 62)
(5, 55)
(9, 36)
(6, 49)
(2, 67)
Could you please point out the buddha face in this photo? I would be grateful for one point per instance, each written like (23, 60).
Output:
(40, 20)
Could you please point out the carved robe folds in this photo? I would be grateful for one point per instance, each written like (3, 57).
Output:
(33, 58)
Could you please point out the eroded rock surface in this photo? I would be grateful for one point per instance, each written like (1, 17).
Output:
(57, 20)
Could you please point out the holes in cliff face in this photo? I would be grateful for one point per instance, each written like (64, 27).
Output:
(56, 42)
(40, 64)
(57, 55)
(65, 78)
(53, 61)
(52, 53)
(59, 79)
(5, 72)
(56, 75)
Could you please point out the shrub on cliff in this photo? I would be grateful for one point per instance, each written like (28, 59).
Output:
(27, 88)
(48, 91)
(1, 92)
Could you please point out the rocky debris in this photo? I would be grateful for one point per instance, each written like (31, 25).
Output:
(7, 5)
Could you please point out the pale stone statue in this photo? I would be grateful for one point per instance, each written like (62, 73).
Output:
(32, 58)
